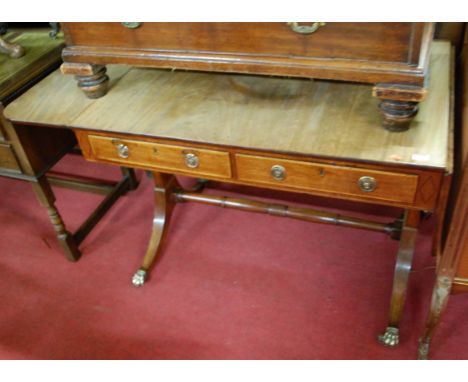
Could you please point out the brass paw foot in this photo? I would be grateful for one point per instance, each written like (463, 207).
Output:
(423, 350)
(390, 337)
(139, 278)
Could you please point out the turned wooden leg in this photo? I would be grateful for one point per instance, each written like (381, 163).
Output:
(400, 279)
(399, 104)
(164, 203)
(46, 198)
(92, 79)
(13, 50)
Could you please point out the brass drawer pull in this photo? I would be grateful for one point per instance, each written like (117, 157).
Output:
(131, 25)
(191, 160)
(367, 183)
(122, 150)
(278, 172)
(305, 29)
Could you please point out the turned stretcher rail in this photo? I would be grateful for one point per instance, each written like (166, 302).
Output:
(306, 214)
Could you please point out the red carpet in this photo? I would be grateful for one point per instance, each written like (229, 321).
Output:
(230, 284)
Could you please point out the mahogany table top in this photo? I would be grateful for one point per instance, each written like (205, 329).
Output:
(295, 116)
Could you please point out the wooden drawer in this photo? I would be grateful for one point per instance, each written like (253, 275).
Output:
(189, 160)
(8, 159)
(384, 42)
(328, 179)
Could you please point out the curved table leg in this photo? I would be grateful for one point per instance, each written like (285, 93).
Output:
(164, 204)
(400, 280)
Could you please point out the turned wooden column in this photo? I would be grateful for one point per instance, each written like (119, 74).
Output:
(46, 198)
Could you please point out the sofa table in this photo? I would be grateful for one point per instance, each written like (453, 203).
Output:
(294, 135)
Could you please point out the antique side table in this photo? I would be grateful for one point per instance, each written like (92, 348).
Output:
(29, 154)
(313, 137)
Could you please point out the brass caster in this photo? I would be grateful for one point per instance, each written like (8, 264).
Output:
(390, 338)
(139, 278)
(423, 350)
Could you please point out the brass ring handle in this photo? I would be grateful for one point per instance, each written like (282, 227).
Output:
(191, 160)
(131, 25)
(278, 172)
(305, 29)
(367, 183)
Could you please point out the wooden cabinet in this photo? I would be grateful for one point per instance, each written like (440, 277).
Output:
(392, 56)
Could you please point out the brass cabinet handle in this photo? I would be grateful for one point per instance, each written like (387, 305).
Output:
(367, 183)
(131, 25)
(122, 150)
(191, 160)
(278, 172)
(305, 29)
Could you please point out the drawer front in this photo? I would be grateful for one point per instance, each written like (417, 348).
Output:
(385, 42)
(193, 161)
(328, 179)
(8, 159)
